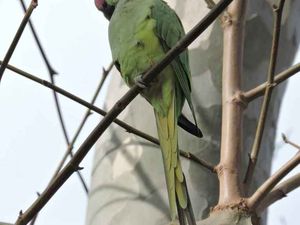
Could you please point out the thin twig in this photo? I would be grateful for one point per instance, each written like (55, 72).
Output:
(260, 90)
(232, 111)
(83, 121)
(73, 164)
(38, 42)
(262, 192)
(267, 97)
(32, 222)
(69, 152)
(280, 191)
(17, 36)
(286, 140)
(52, 73)
(122, 124)
(210, 3)
(194, 158)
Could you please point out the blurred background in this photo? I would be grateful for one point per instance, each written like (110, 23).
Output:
(74, 36)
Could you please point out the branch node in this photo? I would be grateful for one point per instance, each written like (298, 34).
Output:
(249, 155)
(284, 138)
(240, 99)
(104, 71)
(240, 204)
(78, 168)
(259, 90)
(34, 3)
(226, 20)
(210, 4)
(73, 167)
(282, 194)
(120, 105)
(253, 158)
(270, 85)
(275, 8)
(70, 147)
(220, 170)
(53, 73)
(188, 154)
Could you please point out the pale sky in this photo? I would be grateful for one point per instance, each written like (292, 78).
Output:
(74, 35)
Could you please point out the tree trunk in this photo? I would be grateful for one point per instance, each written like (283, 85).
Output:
(128, 182)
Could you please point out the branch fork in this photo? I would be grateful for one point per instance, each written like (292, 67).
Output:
(17, 37)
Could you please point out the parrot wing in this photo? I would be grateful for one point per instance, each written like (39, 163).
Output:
(183, 122)
(169, 30)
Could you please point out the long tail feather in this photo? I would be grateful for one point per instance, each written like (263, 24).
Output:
(179, 201)
(189, 212)
(168, 142)
(181, 216)
(168, 135)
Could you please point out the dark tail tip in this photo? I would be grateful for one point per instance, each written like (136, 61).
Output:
(181, 214)
(188, 126)
(186, 216)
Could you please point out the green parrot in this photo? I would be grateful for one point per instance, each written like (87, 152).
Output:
(140, 34)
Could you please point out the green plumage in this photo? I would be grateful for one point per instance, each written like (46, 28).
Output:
(140, 33)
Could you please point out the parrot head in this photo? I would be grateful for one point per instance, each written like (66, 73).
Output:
(106, 6)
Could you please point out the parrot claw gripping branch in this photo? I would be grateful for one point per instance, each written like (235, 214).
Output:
(139, 82)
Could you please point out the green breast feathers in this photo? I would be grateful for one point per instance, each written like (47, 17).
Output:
(133, 39)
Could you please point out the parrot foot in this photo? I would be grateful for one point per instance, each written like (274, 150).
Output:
(140, 83)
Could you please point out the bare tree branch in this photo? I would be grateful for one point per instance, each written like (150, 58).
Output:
(122, 124)
(286, 140)
(83, 121)
(52, 73)
(73, 164)
(267, 97)
(280, 191)
(17, 37)
(195, 159)
(38, 42)
(260, 90)
(263, 191)
(32, 222)
(229, 166)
